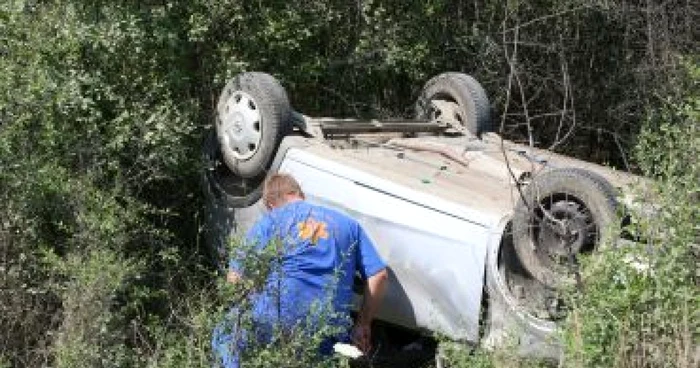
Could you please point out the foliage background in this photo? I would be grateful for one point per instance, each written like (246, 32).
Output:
(103, 106)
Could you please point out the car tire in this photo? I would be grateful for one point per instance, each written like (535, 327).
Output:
(474, 108)
(583, 209)
(223, 187)
(224, 193)
(253, 114)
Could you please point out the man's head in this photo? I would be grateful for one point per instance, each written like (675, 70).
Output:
(280, 189)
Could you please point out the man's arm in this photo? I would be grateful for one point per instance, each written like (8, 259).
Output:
(375, 286)
(256, 238)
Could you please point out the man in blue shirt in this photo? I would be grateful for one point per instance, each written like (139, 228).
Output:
(320, 251)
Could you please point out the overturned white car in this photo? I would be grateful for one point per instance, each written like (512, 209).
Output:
(479, 233)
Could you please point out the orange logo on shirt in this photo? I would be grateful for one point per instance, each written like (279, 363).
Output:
(312, 230)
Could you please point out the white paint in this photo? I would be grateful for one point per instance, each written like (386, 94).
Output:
(435, 249)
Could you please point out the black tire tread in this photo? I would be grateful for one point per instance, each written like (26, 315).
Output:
(468, 93)
(481, 102)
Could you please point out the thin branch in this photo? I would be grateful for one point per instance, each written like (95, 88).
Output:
(511, 62)
(568, 101)
(616, 138)
(530, 138)
(541, 19)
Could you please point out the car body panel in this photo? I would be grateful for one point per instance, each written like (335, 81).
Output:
(473, 192)
(436, 220)
(435, 249)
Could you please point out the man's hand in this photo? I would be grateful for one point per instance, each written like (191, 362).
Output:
(362, 337)
(233, 277)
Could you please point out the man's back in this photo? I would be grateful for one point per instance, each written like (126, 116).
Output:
(319, 252)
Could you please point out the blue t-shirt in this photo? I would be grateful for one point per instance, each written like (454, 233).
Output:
(320, 250)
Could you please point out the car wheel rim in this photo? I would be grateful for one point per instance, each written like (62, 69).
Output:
(240, 125)
(564, 232)
(446, 110)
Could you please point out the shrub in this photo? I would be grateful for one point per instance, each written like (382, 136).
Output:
(283, 346)
(639, 308)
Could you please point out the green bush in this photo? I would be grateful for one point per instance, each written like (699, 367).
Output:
(461, 356)
(90, 334)
(639, 308)
(91, 133)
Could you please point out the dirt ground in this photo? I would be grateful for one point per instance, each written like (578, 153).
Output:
(399, 348)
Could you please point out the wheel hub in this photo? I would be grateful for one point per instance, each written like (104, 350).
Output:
(564, 231)
(240, 127)
(237, 127)
(445, 112)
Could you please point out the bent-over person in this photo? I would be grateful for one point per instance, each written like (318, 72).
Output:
(320, 252)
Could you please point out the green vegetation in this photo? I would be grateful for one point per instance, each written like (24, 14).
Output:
(640, 306)
(103, 106)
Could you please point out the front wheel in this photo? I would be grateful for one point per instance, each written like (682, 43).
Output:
(253, 115)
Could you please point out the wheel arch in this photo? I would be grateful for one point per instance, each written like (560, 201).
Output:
(505, 323)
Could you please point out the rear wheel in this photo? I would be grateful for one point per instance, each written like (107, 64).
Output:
(253, 114)
(456, 98)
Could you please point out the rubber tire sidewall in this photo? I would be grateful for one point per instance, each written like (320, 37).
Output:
(591, 189)
(275, 111)
(214, 190)
(466, 91)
